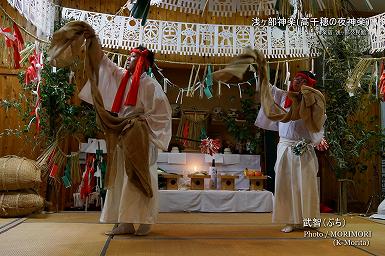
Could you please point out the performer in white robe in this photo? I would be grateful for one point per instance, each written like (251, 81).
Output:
(125, 203)
(296, 193)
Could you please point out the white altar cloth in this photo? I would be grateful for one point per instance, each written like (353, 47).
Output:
(215, 201)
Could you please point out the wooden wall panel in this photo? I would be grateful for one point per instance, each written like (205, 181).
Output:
(367, 182)
(10, 88)
(12, 145)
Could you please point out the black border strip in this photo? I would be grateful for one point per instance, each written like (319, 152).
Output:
(107, 243)
(8, 226)
(8, 223)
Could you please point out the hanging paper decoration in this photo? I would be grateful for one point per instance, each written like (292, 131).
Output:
(201, 89)
(210, 146)
(376, 33)
(252, 69)
(32, 74)
(287, 78)
(7, 32)
(240, 91)
(276, 75)
(165, 82)
(203, 133)
(207, 91)
(197, 39)
(71, 77)
(257, 82)
(191, 88)
(18, 45)
(208, 83)
(149, 72)
(101, 168)
(178, 96)
(190, 80)
(140, 10)
(156, 2)
(199, 84)
(18, 36)
(54, 170)
(41, 13)
(67, 175)
(186, 128)
(14, 41)
(89, 181)
(312, 66)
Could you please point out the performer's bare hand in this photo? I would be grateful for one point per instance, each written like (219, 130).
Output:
(323, 145)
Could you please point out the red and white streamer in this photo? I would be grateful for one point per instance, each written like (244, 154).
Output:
(210, 146)
(33, 74)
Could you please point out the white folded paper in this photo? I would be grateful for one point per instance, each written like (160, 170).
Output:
(92, 145)
(218, 158)
(177, 158)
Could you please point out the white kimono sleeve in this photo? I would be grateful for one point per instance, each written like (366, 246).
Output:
(316, 137)
(110, 76)
(262, 121)
(157, 112)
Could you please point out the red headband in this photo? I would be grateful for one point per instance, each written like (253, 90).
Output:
(142, 54)
(310, 82)
(133, 92)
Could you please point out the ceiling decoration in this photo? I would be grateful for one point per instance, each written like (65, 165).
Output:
(377, 32)
(197, 39)
(41, 13)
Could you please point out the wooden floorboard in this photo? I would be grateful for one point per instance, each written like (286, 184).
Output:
(215, 247)
(183, 234)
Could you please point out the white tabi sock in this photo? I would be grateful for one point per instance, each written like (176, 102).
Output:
(143, 230)
(122, 228)
(288, 229)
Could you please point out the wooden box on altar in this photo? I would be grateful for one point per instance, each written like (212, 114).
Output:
(256, 182)
(198, 181)
(171, 181)
(228, 182)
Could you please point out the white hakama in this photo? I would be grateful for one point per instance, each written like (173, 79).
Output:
(296, 193)
(125, 203)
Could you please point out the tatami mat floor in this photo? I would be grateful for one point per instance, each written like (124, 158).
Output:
(185, 234)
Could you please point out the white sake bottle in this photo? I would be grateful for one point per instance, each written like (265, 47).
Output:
(214, 174)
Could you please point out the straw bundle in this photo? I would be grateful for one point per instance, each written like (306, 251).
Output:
(19, 203)
(19, 173)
